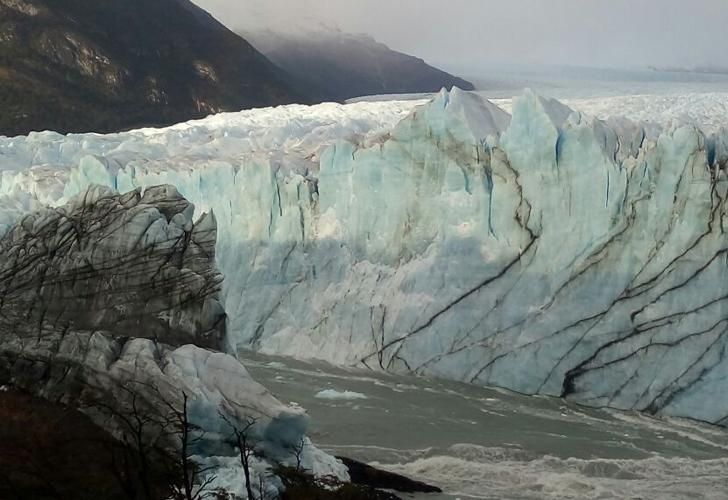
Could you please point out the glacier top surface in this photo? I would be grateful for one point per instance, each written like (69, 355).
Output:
(299, 134)
(707, 111)
(296, 130)
(35, 169)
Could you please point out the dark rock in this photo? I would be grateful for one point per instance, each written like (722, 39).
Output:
(361, 473)
(300, 485)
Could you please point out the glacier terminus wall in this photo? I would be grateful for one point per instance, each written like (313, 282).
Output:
(546, 251)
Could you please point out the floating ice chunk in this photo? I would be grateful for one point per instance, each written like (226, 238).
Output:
(339, 395)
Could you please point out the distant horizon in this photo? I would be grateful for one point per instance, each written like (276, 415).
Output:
(620, 34)
(585, 72)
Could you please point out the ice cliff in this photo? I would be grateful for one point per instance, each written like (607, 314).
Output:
(546, 252)
(110, 303)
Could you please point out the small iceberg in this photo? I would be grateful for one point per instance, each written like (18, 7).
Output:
(338, 395)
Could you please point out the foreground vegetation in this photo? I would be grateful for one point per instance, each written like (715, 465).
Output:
(49, 451)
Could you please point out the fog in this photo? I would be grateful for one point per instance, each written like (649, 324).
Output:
(474, 33)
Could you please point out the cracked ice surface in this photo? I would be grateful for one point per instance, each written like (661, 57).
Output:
(547, 253)
(706, 111)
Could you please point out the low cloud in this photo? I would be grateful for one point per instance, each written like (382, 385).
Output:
(616, 33)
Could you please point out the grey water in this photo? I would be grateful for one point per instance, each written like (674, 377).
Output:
(481, 443)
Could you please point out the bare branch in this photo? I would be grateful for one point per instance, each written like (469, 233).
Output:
(242, 440)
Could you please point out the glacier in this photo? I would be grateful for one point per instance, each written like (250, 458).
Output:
(543, 250)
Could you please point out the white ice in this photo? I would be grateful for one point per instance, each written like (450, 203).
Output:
(340, 395)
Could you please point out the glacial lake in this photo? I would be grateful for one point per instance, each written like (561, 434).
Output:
(480, 443)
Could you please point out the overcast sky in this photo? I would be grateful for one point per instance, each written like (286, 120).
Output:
(462, 33)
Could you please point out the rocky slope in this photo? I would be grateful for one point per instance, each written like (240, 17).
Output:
(339, 66)
(72, 66)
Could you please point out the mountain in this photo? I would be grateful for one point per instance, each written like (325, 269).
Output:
(75, 65)
(341, 65)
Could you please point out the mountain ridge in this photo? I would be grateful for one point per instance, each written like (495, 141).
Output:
(71, 66)
(347, 65)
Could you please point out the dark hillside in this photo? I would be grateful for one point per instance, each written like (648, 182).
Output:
(341, 65)
(76, 65)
